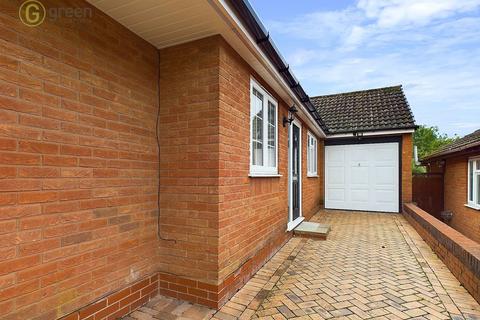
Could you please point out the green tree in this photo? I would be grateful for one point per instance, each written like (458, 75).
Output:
(427, 140)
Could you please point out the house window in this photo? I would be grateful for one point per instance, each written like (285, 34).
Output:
(474, 183)
(311, 155)
(263, 131)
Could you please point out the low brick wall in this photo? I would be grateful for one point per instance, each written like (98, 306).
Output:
(460, 254)
(119, 303)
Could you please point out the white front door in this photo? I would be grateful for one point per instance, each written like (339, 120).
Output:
(294, 175)
(362, 177)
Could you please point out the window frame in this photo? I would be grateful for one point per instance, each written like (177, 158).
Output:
(312, 173)
(472, 187)
(263, 170)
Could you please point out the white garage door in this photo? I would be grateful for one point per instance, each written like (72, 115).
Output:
(362, 177)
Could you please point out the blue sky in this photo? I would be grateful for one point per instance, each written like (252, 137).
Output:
(431, 47)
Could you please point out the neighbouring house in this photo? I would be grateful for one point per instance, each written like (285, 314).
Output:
(459, 162)
(167, 147)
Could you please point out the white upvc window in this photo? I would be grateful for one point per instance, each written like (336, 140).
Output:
(263, 131)
(312, 155)
(474, 183)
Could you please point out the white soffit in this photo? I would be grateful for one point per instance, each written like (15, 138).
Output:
(165, 23)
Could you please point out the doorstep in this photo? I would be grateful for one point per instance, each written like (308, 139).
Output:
(313, 230)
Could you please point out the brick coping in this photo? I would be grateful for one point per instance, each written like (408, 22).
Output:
(465, 249)
(460, 254)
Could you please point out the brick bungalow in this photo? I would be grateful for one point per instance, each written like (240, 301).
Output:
(460, 164)
(167, 147)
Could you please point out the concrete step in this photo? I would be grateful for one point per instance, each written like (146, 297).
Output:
(312, 230)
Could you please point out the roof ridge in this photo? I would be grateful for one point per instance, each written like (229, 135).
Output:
(358, 91)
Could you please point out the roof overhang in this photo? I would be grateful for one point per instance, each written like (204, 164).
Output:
(165, 23)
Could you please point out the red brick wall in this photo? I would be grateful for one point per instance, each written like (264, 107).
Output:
(78, 161)
(226, 225)
(407, 156)
(189, 174)
(460, 254)
(465, 219)
(253, 212)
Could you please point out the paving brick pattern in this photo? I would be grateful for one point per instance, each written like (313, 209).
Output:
(373, 266)
(166, 308)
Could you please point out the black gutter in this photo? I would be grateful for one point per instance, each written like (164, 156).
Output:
(258, 31)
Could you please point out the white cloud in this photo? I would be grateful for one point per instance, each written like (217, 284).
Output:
(391, 13)
(301, 56)
(356, 37)
(431, 47)
(468, 125)
(324, 26)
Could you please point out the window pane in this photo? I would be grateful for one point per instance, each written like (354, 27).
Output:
(478, 188)
(271, 113)
(257, 107)
(309, 158)
(271, 156)
(312, 155)
(470, 180)
(257, 128)
(271, 136)
(272, 123)
(257, 153)
(309, 155)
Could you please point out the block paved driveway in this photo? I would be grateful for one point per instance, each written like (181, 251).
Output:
(372, 266)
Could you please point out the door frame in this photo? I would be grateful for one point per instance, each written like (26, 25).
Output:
(292, 224)
(371, 140)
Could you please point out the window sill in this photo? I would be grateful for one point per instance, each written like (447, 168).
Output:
(471, 206)
(313, 176)
(264, 175)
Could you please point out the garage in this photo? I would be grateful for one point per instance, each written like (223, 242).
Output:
(368, 149)
(363, 176)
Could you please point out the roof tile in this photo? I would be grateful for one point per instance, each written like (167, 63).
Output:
(375, 109)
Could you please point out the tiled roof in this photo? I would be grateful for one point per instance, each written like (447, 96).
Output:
(469, 141)
(368, 110)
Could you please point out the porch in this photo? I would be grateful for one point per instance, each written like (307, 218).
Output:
(373, 266)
